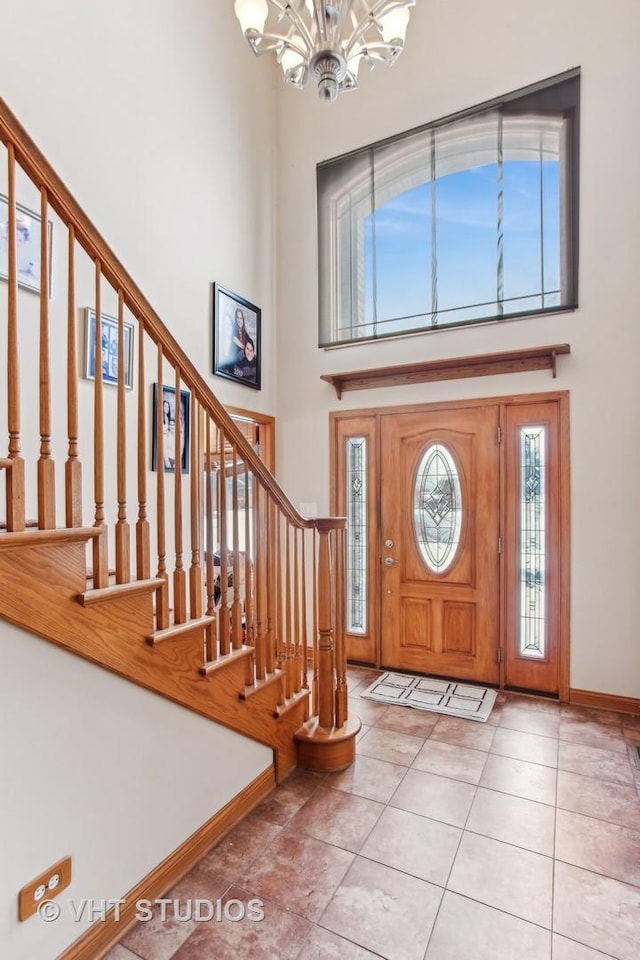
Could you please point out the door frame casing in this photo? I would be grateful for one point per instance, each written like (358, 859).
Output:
(366, 648)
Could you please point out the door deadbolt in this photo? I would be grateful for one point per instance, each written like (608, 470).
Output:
(389, 561)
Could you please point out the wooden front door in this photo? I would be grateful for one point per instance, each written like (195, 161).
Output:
(439, 542)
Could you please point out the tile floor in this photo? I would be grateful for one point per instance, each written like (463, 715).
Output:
(446, 840)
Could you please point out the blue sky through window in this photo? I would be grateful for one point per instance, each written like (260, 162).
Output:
(466, 246)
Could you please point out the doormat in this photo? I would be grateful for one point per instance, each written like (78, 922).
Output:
(440, 696)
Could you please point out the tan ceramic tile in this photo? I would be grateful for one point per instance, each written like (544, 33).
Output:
(523, 823)
(373, 779)
(120, 953)
(417, 723)
(450, 760)
(464, 733)
(615, 802)
(236, 851)
(416, 845)
(525, 746)
(564, 949)
(323, 945)
(159, 937)
(287, 799)
(593, 734)
(537, 704)
(597, 911)
(545, 724)
(363, 729)
(604, 848)
(375, 907)
(529, 780)
(337, 817)
(390, 746)
(595, 762)
(588, 713)
(298, 873)
(503, 876)
(280, 934)
(368, 710)
(436, 797)
(466, 929)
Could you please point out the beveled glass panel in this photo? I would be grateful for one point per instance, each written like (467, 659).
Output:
(532, 542)
(356, 500)
(437, 513)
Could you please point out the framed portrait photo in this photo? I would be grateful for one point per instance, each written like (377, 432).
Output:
(168, 401)
(28, 232)
(109, 348)
(236, 338)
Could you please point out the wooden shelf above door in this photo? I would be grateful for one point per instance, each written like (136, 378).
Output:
(455, 368)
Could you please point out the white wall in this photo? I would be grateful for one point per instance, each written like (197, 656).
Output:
(89, 766)
(164, 138)
(460, 52)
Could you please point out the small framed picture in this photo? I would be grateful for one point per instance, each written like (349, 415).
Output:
(169, 429)
(236, 338)
(27, 245)
(109, 338)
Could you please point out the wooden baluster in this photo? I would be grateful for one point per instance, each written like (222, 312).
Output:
(249, 560)
(210, 633)
(162, 594)
(123, 537)
(270, 576)
(195, 570)
(100, 546)
(73, 466)
(305, 642)
(297, 658)
(143, 533)
(261, 540)
(46, 466)
(281, 652)
(224, 625)
(179, 573)
(341, 658)
(15, 475)
(314, 689)
(289, 661)
(325, 629)
(236, 607)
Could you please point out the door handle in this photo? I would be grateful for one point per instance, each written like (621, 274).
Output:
(389, 561)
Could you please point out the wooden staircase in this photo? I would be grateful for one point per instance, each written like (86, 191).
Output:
(250, 634)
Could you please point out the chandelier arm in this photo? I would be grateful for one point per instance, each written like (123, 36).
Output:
(294, 17)
(381, 52)
(321, 24)
(379, 9)
(273, 43)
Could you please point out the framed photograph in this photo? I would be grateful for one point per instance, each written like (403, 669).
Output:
(27, 246)
(236, 338)
(169, 428)
(109, 337)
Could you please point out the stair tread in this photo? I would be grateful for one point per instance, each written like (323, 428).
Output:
(178, 628)
(102, 594)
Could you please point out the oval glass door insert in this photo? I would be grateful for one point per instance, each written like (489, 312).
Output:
(437, 513)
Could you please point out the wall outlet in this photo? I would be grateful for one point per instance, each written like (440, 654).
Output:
(45, 887)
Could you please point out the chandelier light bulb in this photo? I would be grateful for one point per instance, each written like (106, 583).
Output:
(252, 14)
(393, 25)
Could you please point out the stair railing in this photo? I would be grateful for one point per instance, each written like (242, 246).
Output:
(212, 529)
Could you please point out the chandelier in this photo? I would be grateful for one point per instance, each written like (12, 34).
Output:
(327, 39)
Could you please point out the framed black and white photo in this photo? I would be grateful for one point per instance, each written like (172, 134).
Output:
(169, 429)
(28, 234)
(109, 348)
(236, 338)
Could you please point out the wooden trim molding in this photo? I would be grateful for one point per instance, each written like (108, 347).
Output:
(604, 701)
(455, 368)
(104, 934)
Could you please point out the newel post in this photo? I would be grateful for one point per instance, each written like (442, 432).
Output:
(326, 742)
(326, 670)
